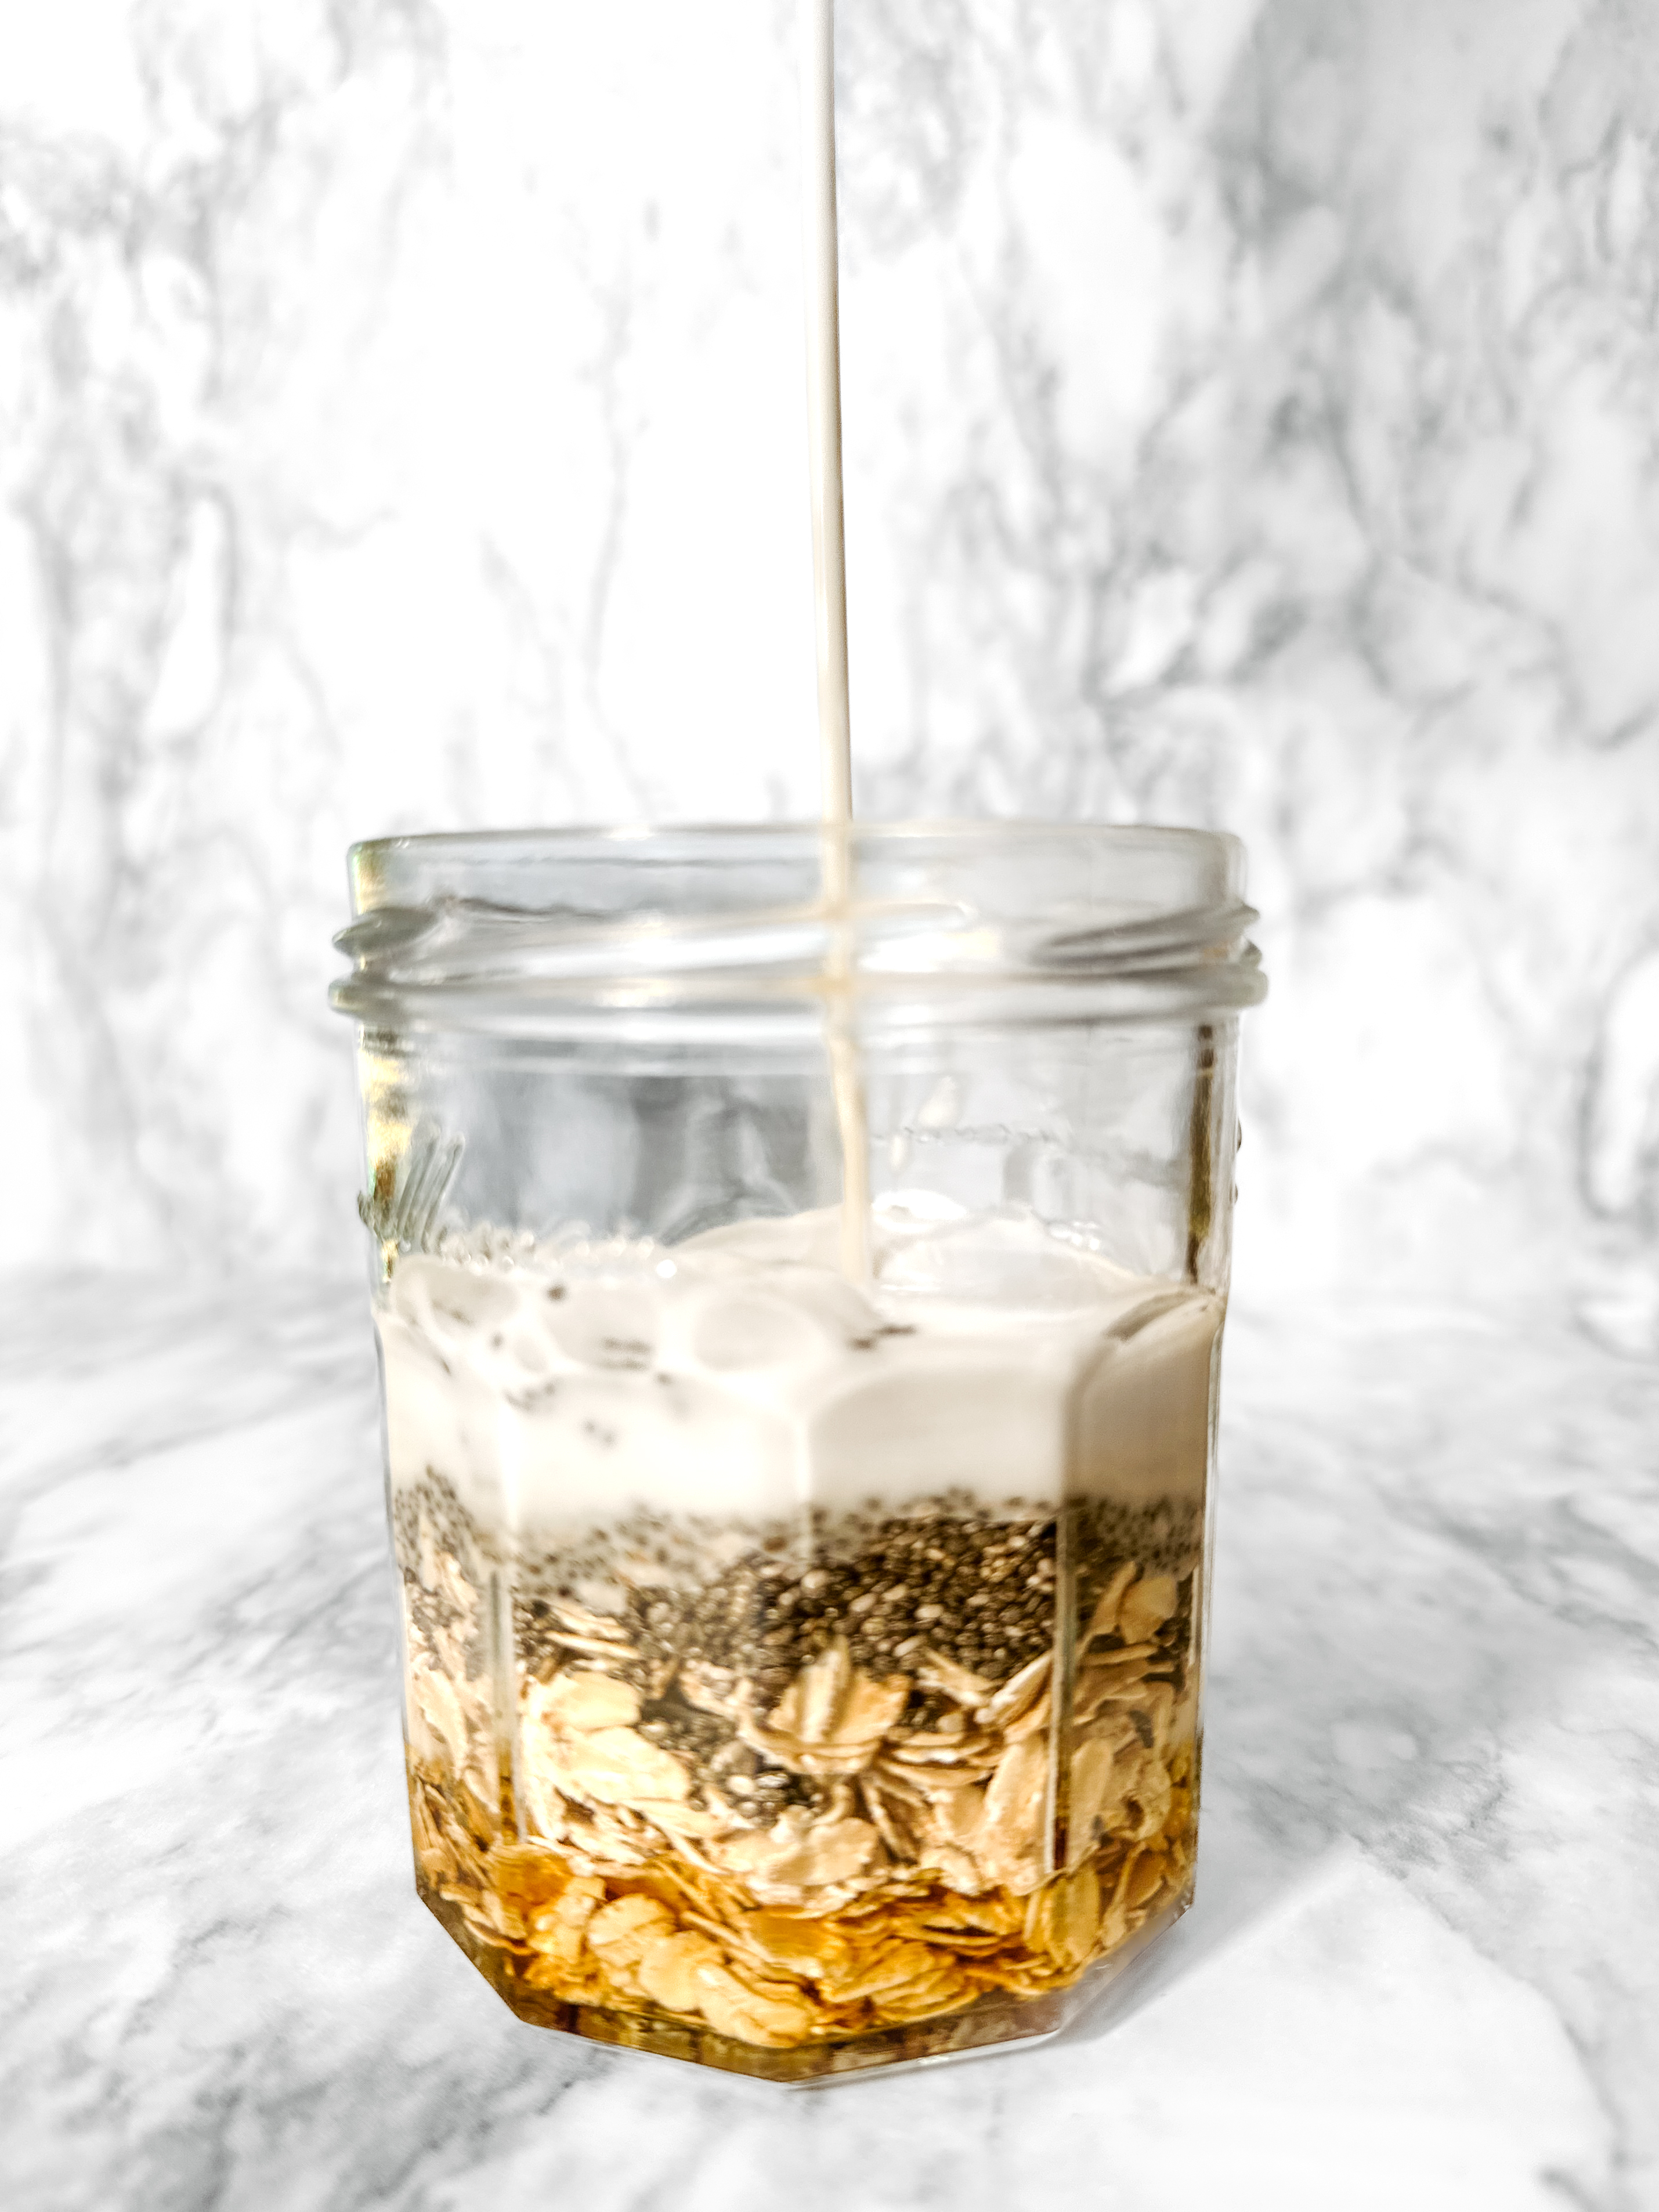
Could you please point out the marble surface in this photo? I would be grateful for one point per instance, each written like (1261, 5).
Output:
(1249, 421)
(1423, 1968)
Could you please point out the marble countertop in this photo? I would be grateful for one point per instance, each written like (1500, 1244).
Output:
(1423, 1968)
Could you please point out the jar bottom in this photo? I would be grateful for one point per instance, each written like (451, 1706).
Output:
(667, 1959)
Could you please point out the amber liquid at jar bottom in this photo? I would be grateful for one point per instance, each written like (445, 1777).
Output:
(799, 1800)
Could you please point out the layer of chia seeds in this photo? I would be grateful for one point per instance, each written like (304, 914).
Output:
(675, 1604)
(975, 1587)
(981, 1592)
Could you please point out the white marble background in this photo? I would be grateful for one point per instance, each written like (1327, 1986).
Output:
(1251, 421)
(1251, 412)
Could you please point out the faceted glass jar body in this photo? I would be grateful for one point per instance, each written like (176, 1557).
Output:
(803, 1652)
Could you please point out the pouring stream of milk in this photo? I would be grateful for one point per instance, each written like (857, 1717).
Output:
(830, 578)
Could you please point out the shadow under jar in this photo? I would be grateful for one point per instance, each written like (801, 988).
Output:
(803, 1666)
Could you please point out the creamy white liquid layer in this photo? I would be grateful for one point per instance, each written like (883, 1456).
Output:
(742, 1375)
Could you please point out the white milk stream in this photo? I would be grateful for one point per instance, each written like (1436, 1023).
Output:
(829, 582)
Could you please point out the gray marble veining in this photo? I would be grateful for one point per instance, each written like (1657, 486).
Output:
(1249, 416)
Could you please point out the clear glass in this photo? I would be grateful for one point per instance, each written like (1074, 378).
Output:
(803, 1666)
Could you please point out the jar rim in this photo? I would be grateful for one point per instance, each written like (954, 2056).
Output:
(985, 829)
(477, 927)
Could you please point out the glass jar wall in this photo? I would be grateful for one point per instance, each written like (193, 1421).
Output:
(803, 1652)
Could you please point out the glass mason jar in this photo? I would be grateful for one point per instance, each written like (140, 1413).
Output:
(803, 1633)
